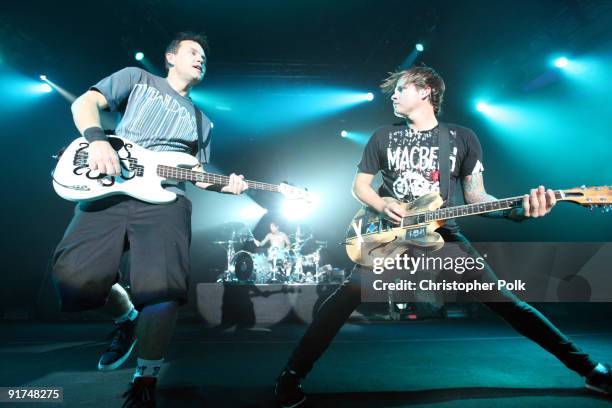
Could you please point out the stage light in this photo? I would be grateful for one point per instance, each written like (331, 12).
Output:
(259, 109)
(252, 212)
(49, 86)
(482, 107)
(366, 96)
(356, 136)
(298, 209)
(501, 113)
(212, 125)
(344, 133)
(139, 56)
(561, 62)
(45, 88)
(419, 47)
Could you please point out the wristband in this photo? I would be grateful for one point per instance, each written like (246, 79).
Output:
(94, 134)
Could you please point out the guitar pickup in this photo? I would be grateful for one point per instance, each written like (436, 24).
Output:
(414, 233)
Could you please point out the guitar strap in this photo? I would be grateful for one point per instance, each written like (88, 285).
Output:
(444, 160)
(204, 144)
(201, 144)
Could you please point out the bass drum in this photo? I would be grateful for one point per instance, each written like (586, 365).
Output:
(250, 268)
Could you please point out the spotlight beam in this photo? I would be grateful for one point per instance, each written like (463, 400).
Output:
(67, 95)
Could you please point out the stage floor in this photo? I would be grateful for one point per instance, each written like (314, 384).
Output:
(460, 363)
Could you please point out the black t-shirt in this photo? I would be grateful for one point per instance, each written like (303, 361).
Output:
(409, 162)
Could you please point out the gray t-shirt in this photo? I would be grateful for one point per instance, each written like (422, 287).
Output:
(154, 115)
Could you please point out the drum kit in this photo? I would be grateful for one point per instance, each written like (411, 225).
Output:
(295, 264)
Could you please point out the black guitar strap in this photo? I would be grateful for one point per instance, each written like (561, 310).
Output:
(444, 160)
(201, 145)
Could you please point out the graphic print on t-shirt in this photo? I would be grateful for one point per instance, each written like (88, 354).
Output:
(413, 157)
(408, 160)
(154, 116)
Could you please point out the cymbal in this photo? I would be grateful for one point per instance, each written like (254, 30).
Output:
(226, 242)
(302, 237)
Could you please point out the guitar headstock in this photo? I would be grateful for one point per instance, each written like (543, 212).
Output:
(295, 193)
(591, 197)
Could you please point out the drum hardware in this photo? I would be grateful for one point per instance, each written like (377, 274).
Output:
(230, 252)
(298, 263)
(277, 257)
(238, 235)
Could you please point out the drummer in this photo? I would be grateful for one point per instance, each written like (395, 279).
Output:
(279, 241)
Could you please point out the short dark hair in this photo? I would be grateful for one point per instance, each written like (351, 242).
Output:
(174, 45)
(422, 77)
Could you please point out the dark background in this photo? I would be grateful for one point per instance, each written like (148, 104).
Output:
(275, 65)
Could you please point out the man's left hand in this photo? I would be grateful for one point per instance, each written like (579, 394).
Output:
(236, 185)
(538, 202)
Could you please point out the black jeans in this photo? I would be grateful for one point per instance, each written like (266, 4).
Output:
(525, 319)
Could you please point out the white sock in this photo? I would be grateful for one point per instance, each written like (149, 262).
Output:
(599, 368)
(147, 368)
(131, 314)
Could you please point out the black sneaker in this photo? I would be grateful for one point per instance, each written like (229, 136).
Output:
(124, 340)
(288, 391)
(600, 382)
(141, 393)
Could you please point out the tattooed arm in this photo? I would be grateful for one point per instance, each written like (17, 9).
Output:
(474, 192)
(473, 189)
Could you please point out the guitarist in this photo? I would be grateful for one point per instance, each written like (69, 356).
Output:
(407, 156)
(158, 114)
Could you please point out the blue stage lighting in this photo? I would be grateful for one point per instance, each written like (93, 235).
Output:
(45, 88)
(139, 56)
(482, 107)
(419, 47)
(300, 209)
(561, 62)
(260, 108)
(344, 133)
(252, 212)
(43, 77)
(369, 96)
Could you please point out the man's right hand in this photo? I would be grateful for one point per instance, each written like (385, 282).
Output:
(103, 158)
(394, 211)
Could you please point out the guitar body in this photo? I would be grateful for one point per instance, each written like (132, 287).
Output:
(371, 236)
(74, 181)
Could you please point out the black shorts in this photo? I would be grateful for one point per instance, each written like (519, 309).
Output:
(86, 261)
